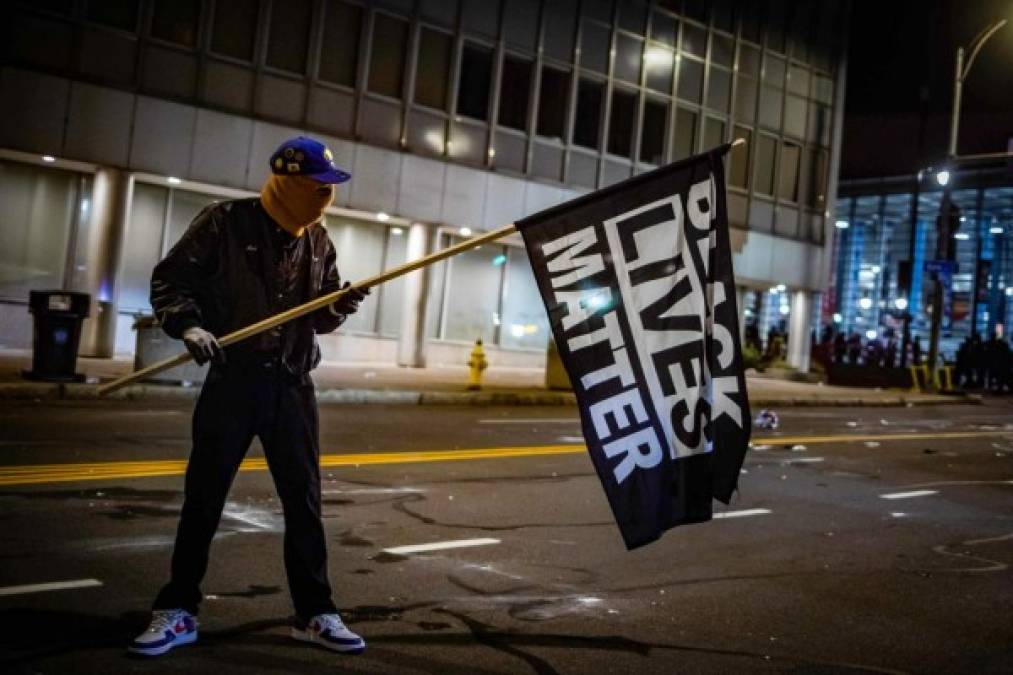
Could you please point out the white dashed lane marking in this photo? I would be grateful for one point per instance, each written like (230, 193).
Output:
(50, 586)
(909, 495)
(439, 546)
(742, 514)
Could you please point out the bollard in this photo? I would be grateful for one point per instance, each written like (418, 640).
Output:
(476, 365)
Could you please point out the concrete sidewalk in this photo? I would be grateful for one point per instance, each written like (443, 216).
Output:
(385, 383)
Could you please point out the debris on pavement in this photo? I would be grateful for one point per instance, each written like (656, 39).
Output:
(767, 419)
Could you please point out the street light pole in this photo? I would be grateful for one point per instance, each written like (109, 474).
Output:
(959, 75)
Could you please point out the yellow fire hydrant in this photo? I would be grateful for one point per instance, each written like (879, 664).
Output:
(476, 365)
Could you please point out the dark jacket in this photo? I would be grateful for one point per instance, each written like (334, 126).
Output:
(223, 275)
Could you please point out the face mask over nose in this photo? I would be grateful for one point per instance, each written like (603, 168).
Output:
(295, 202)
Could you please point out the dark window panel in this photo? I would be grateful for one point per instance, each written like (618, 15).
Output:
(770, 107)
(652, 135)
(773, 71)
(289, 34)
(719, 89)
(560, 21)
(598, 9)
(594, 47)
(624, 113)
(694, 40)
(435, 49)
(696, 9)
(749, 61)
(515, 93)
(120, 14)
(795, 116)
(745, 100)
(684, 143)
(633, 16)
(722, 50)
(816, 194)
(738, 172)
(798, 80)
(774, 22)
(713, 133)
(751, 21)
(664, 29)
(690, 79)
(787, 185)
(587, 124)
(481, 17)
(659, 63)
(763, 176)
(386, 61)
(473, 89)
(235, 28)
(520, 24)
(724, 15)
(339, 54)
(629, 56)
(552, 97)
(443, 12)
(176, 21)
(800, 29)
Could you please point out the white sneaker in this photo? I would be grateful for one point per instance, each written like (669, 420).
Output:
(327, 630)
(169, 628)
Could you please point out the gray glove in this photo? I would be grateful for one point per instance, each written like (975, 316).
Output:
(349, 302)
(203, 346)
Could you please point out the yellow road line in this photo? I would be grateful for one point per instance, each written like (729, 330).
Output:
(66, 473)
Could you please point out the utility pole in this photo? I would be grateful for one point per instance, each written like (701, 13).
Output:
(944, 179)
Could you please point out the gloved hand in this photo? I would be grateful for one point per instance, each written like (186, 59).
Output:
(203, 346)
(349, 302)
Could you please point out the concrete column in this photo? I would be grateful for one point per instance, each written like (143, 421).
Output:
(411, 341)
(799, 342)
(111, 194)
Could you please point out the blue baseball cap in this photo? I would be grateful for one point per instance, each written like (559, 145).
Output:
(302, 156)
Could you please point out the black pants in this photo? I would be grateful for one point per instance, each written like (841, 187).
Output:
(234, 406)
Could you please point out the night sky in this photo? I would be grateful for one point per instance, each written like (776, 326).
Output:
(900, 84)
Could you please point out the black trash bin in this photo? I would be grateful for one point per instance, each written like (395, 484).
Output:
(58, 318)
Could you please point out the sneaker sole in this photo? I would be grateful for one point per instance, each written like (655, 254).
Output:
(306, 636)
(186, 639)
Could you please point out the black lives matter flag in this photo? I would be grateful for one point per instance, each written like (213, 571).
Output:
(637, 282)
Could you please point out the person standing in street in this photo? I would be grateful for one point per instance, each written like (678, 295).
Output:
(239, 262)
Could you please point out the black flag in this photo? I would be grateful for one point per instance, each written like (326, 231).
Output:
(637, 282)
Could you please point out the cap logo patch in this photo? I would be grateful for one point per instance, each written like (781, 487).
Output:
(293, 167)
(278, 163)
(328, 155)
(289, 152)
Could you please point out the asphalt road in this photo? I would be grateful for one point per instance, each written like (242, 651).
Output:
(811, 569)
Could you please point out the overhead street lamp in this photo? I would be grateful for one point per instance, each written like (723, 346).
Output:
(944, 178)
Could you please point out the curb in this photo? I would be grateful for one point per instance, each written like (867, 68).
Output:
(39, 391)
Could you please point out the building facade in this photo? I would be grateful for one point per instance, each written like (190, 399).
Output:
(121, 120)
(886, 236)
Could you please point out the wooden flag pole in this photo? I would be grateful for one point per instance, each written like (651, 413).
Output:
(322, 301)
(312, 306)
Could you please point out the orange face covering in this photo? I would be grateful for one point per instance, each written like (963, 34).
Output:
(295, 202)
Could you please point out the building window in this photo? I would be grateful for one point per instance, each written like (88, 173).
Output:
(719, 89)
(435, 48)
(816, 194)
(694, 40)
(176, 21)
(559, 19)
(515, 93)
(552, 97)
(664, 29)
(624, 112)
(713, 133)
(652, 136)
(289, 34)
(120, 14)
(386, 62)
(594, 47)
(235, 28)
(473, 91)
(360, 249)
(685, 133)
(587, 125)
(35, 225)
(738, 174)
(629, 57)
(142, 246)
(339, 54)
(472, 294)
(524, 324)
(690, 79)
(763, 178)
(788, 179)
(659, 63)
